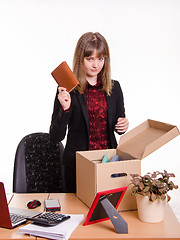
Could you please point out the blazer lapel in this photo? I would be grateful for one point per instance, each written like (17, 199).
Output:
(109, 108)
(83, 105)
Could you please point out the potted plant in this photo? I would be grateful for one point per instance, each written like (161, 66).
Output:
(151, 194)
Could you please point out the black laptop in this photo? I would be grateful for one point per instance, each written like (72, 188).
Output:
(12, 217)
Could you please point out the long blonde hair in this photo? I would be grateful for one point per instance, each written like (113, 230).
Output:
(85, 47)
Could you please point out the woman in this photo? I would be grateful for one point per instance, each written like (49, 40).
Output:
(93, 111)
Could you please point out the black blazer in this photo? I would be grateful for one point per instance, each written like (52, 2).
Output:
(76, 120)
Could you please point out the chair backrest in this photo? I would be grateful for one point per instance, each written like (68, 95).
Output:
(37, 166)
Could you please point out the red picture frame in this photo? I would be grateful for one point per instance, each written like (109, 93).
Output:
(97, 213)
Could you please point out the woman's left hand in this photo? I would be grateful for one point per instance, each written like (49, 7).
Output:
(122, 125)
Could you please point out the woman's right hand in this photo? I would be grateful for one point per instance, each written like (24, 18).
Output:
(64, 98)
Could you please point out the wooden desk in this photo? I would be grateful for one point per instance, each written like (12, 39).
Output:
(20, 201)
(168, 229)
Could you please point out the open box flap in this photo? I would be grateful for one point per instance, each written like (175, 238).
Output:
(146, 138)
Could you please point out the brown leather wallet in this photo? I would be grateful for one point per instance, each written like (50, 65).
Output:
(65, 77)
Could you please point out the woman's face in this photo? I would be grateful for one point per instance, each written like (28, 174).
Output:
(93, 65)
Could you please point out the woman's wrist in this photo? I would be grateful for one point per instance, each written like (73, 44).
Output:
(66, 109)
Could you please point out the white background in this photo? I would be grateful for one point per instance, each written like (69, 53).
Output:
(144, 40)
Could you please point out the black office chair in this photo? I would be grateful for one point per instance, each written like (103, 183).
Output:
(37, 166)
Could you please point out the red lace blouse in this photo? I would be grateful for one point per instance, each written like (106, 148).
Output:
(97, 112)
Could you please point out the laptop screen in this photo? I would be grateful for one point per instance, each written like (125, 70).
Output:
(5, 220)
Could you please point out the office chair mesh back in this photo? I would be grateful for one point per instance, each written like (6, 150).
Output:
(42, 164)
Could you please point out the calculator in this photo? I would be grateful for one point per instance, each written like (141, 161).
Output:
(49, 218)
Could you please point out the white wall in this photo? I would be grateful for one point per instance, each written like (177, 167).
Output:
(36, 36)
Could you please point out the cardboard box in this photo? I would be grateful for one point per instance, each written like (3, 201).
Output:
(93, 176)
